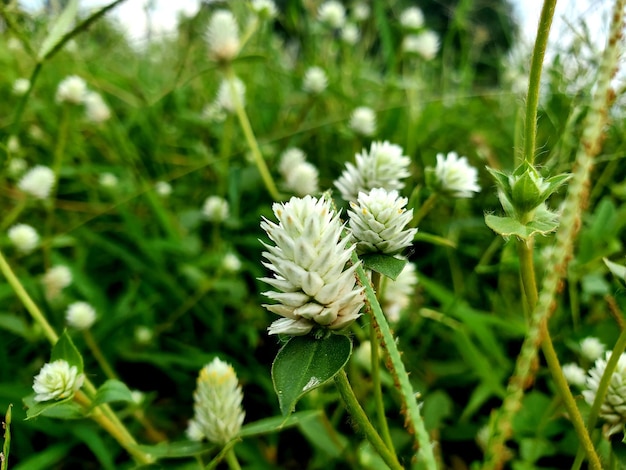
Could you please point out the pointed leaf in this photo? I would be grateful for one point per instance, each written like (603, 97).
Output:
(386, 265)
(62, 409)
(508, 227)
(61, 26)
(617, 269)
(278, 423)
(65, 349)
(176, 450)
(304, 363)
(113, 390)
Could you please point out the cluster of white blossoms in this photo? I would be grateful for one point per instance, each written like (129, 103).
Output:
(315, 80)
(222, 36)
(300, 176)
(384, 166)
(417, 39)
(23, 237)
(55, 280)
(332, 13)
(215, 209)
(56, 381)
(37, 182)
(363, 121)
(315, 286)
(73, 90)
(453, 176)
(218, 414)
(80, 315)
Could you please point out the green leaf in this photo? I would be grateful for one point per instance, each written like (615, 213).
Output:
(61, 409)
(15, 325)
(434, 240)
(386, 265)
(65, 349)
(619, 453)
(278, 423)
(320, 432)
(304, 363)
(176, 450)
(61, 26)
(618, 270)
(508, 226)
(112, 390)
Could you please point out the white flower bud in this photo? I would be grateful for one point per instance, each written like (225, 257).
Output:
(591, 348)
(218, 414)
(289, 159)
(37, 182)
(574, 374)
(363, 121)
(143, 334)
(231, 263)
(426, 44)
(163, 188)
(225, 98)
(57, 380)
(315, 80)
(21, 86)
(223, 36)
(215, 209)
(332, 13)
(302, 179)
(264, 8)
(453, 176)
(361, 11)
(72, 89)
(96, 110)
(55, 280)
(350, 34)
(108, 180)
(16, 166)
(24, 237)
(412, 18)
(80, 315)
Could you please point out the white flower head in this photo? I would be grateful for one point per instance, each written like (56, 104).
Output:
(412, 18)
(96, 110)
(215, 209)
(361, 11)
(289, 159)
(591, 348)
(24, 237)
(163, 188)
(453, 176)
(37, 182)
(309, 265)
(574, 374)
(315, 80)
(80, 315)
(613, 408)
(332, 13)
(231, 262)
(143, 334)
(218, 414)
(108, 180)
(264, 8)
(57, 380)
(396, 295)
(425, 44)
(21, 86)
(55, 280)
(228, 100)
(378, 220)
(363, 121)
(72, 89)
(302, 179)
(223, 36)
(384, 166)
(350, 34)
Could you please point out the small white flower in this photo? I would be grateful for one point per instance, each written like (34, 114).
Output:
(57, 380)
(231, 263)
(591, 348)
(454, 176)
(80, 315)
(218, 414)
(21, 86)
(363, 121)
(225, 98)
(55, 280)
(426, 44)
(17, 165)
(303, 179)
(24, 237)
(396, 295)
(264, 8)
(574, 374)
(350, 34)
(37, 182)
(215, 209)
(36, 133)
(289, 159)
(138, 396)
(315, 80)
(96, 110)
(108, 180)
(332, 13)
(13, 145)
(143, 334)
(223, 36)
(163, 188)
(412, 18)
(72, 89)
(361, 11)
(384, 166)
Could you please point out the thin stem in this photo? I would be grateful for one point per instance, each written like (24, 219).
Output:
(14, 214)
(231, 459)
(356, 411)
(97, 352)
(424, 209)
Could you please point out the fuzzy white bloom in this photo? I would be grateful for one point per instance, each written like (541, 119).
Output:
(426, 44)
(37, 182)
(613, 408)
(378, 220)
(55, 280)
(309, 266)
(163, 188)
(361, 11)
(213, 112)
(289, 159)
(17, 166)
(264, 8)
(23, 237)
(350, 34)
(315, 80)
(397, 294)
(72, 89)
(363, 121)
(21, 86)
(223, 36)
(412, 18)
(13, 145)
(332, 13)
(574, 374)
(215, 209)
(225, 98)
(454, 176)
(57, 380)
(108, 180)
(231, 263)
(303, 179)
(384, 166)
(138, 396)
(96, 110)
(80, 315)
(143, 334)
(591, 348)
(218, 414)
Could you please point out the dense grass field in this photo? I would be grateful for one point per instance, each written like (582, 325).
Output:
(311, 235)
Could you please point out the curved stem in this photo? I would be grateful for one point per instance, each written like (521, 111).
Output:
(97, 352)
(424, 209)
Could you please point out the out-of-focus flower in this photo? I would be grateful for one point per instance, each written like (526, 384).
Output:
(163, 188)
(57, 380)
(363, 121)
(13, 145)
(591, 348)
(16, 166)
(96, 110)
(412, 18)
(215, 209)
(108, 180)
(397, 294)
(72, 89)
(289, 159)
(55, 280)
(218, 414)
(265, 9)
(453, 176)
(21, 86)
(332, 13)
(214, 112)
(14, 45)
(227, 99)
(223, 36)
(23, 237)
(350, 34)
(231, 263)
(574, 374)
(361, 11)
(80, 315)
(143, 334)
(309, 266)
(426, 44)
(303, 179)
(315, 80)
(384, 166)
(37, 182)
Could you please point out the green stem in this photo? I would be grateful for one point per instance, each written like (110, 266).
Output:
(536, 65)
(13, 215)
(97, 352)
(232, 461)
(4, 462)
(356, 411)
(424, 209)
